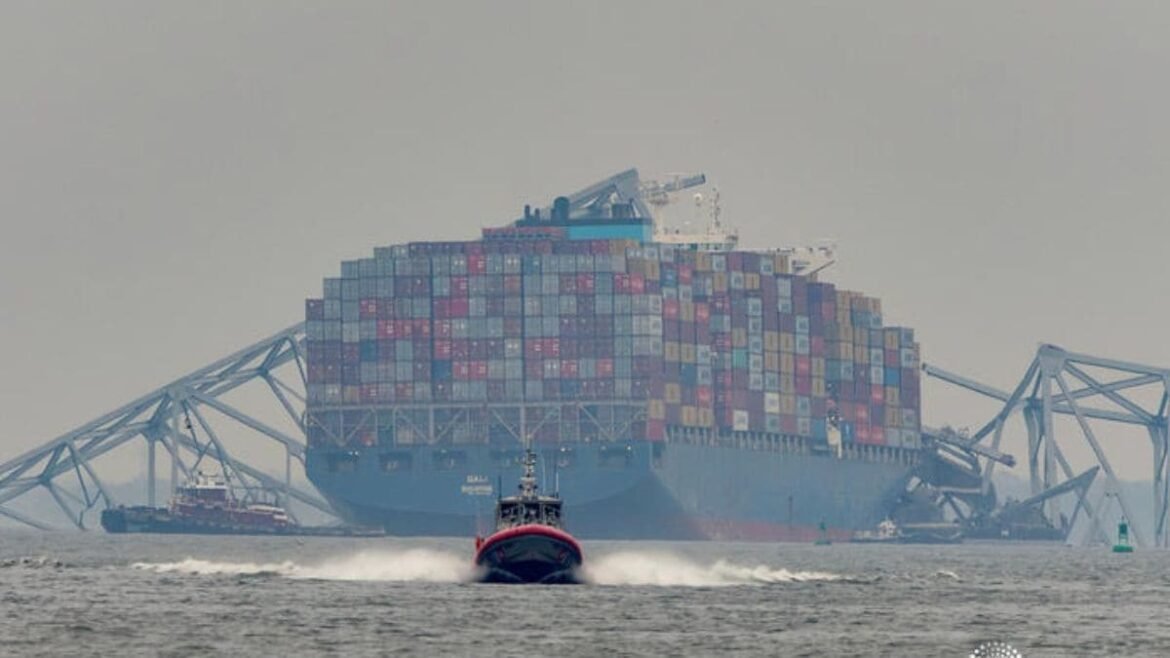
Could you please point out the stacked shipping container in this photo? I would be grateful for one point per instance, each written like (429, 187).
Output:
(721, 341)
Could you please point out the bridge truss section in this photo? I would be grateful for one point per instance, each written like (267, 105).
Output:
(1101, 395)
(189, 419)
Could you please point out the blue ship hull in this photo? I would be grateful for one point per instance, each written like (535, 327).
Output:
(638, 490)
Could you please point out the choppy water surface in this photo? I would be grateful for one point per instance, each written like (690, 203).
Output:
(96, 594)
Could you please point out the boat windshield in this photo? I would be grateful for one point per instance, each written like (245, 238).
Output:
(516, 513)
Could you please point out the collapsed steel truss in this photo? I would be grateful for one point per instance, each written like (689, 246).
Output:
(64, 468)
(1111, 385)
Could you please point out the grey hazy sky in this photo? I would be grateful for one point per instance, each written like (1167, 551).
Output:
(177, 177)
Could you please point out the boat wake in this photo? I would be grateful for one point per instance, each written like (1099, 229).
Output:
(630, 568)
(665, 569)
(417, 565)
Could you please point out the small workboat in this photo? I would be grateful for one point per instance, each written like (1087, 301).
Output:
(530, 544)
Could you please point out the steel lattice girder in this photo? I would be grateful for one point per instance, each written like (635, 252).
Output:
(1038, 400)
(154, 417)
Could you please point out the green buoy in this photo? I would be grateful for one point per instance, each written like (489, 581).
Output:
(823, 540)
(1122, 545)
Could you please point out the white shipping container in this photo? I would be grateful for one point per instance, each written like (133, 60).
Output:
(772, 403)
(784, 288)
(740, 420)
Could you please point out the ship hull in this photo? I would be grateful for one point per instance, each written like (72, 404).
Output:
(152, 520)
(655, 491)
(529, 554)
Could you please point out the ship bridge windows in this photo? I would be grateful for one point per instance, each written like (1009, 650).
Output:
(448, 460)
(342, 462)
(392, 462)
(615, 455)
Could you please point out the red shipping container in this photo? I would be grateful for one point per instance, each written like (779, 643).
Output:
(442, 328)
(458, 307)
(442, 349)
(552, 348)
(803, 385)
(604, 368)
(703, 396)
(877, 394)
(370, 392)
(637, 284)
(476, 264)
(861, 432)
(386, 329)
(422, 329)
(568, 368)
(461, 370)
(893, 359)
(479, 370)
(403, 329)
(621, 283)
(877, 435)
(670, 309)
(685, 273)
(803, 365)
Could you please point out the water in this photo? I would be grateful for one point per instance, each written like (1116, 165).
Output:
(97, 594)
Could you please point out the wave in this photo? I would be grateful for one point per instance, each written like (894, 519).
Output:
(418, 565)
(31, 562)
(666, 569)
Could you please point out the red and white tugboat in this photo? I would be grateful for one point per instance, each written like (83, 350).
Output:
(529, 544)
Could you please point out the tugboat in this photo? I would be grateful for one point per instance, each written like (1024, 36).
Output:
(207, 505)
(889, 532)
(529, 544)
(204, 505)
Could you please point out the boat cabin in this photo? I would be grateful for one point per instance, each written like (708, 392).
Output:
(542, 510)
(205, 487)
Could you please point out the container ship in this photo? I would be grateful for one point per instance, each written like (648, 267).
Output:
(673, 384)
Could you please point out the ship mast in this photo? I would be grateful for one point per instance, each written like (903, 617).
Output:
(528, 480)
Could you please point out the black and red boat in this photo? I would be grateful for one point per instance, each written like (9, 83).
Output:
(530, 544)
